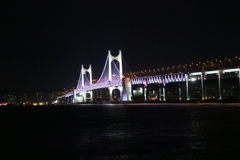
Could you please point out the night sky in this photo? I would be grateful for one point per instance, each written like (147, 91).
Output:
(44, 44)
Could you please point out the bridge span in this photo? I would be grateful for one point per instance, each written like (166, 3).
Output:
(204, 85)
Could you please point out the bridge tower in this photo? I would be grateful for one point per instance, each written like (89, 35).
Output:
(110, 59)
(83, 94)
(89, 70)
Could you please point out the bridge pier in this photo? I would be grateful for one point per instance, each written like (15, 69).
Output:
(202, 86)
(220, 84)
(127, 84)
(164, 94)
(160, 94)
(84, 97)
(179, 94)
(145, 93)
(110, 93)
(187, 88)
(238, 84)
(68, 100)
(89, 99)
(76, 99)
(121, 91)
(120, 88)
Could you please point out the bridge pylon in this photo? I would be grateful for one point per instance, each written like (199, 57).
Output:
(84, 91)
(83, 71)
(112, 58)
(89, 70)
(119, 59)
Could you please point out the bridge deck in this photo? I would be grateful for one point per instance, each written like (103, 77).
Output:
(96, 86)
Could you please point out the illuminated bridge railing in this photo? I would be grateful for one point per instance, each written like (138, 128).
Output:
(100, 85)
(178, 77)
(69, 94)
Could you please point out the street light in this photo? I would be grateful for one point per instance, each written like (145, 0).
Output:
(185, 69)
(230, 63)
(235, 65)
(203, 66)
(197, 66)
(190, 67)
(221, 64)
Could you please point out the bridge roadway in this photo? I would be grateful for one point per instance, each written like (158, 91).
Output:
(100, 85)
(209, 85)
(88, 89)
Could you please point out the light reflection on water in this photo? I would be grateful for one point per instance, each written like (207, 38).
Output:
(195, 134)
(175, 131)
(134, 131)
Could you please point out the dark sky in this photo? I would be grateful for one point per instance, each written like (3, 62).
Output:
(44, 44)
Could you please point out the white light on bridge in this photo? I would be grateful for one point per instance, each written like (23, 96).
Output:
(195, 73)
(193, 79)
(231, 70)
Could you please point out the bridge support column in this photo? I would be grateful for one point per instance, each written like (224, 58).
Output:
(202, 86)
(220, 84)
(71, 100)
(179, 94)
(74, 97)
(145, 93)
(164, 94)
(128, 86)
(121, 91)
(160, 93)
(239, 84)
(84, 97)
(91, 95)
(110, 93)
(187, 91)
(206, 93)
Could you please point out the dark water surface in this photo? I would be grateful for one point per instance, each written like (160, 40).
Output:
(136, 131)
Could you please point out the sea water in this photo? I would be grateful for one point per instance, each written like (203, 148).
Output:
(115, 131)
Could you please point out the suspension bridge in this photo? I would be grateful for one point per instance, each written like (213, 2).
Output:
(111, 78)
(203, 85)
